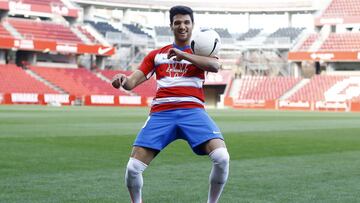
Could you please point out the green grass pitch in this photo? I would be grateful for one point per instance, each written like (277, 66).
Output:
(78, 154)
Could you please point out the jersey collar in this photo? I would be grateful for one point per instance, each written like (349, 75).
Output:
(180, 48)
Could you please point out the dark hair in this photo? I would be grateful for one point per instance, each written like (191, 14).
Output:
(184, 10)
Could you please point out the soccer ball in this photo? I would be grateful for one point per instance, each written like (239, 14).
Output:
(206, 42)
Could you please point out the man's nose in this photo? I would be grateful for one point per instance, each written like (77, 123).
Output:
(182, 25)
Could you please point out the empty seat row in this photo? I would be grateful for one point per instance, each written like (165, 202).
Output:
(79, 81)
(16, 80)
(44, 30)
(342, 8)
(265, 88)
(315, 89)
(342, 42)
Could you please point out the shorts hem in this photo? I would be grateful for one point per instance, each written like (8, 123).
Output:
(200, 152)
(147, 146)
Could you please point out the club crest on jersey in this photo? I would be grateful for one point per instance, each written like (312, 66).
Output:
(177, 69)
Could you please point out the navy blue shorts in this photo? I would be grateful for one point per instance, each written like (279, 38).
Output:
(193, 125)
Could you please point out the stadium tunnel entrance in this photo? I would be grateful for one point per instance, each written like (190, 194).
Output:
(213, 94)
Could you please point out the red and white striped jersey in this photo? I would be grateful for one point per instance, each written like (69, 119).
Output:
(179, 83)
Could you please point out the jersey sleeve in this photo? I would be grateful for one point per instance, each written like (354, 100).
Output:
(148, 65)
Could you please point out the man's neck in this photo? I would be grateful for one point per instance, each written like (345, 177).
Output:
(182, 43)
(180, 46)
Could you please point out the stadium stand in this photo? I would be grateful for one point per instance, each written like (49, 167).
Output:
(163, 31)
(103, 27)
(305, 46)
(240, 6)
(259, 52)
(345, 90)
(226, 37)
(146, 89)
(342, 42)
(287, 35)
(44, 2)
(264, 88)
(16, 80)
(83, 30)
(341, 8)
(44, 8)
(137, 34)
(134, 29)
(249, 34)
(4, 32)
(163, 35)
(224, 33)
(315, 89)
(43, 30)
(337, 37)
(79, 82)
(356, 99)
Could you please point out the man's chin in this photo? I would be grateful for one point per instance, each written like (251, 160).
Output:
(183, 39)
(181, 36)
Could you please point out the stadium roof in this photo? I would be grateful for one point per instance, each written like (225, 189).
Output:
(213, 6)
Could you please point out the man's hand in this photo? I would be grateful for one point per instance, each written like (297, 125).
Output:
(178, 54)
(209, 64)
(119, 80)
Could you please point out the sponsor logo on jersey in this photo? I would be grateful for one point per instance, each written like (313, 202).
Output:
(177, 69)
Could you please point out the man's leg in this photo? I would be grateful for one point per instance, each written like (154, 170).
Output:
(139, 160)
(219, 156)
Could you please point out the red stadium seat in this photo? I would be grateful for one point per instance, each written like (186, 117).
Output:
(342, 42)
(44, 2)
(4, 32)
(315, 89)
(16, 80)
(44, 30)
(341, 8)
(264, 88)
(308, 42)
(78, 81)
(87, 34)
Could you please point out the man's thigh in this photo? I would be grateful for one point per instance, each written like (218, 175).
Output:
(158, 131)
(145, 155)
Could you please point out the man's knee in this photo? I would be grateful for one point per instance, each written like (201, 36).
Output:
(212, 145)
(134, 166)
(143, 154)
(220, 171)
(220, 157)
(133, 172)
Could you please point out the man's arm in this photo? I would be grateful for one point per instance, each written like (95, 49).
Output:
(130, 82)
(209, 64)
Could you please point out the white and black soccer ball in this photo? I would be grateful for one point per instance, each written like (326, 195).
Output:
(205, 42)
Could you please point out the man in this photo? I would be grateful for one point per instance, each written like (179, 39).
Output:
(177, 111)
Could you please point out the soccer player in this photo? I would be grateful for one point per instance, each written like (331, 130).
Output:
(177, 111)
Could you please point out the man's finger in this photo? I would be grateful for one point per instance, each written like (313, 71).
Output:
(170, 55)
(116, 83)
(122, 81)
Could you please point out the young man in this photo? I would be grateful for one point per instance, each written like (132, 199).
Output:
(177, 111)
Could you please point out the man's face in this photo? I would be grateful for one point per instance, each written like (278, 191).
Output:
(182, 28)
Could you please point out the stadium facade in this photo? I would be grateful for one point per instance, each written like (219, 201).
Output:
(64, 52)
